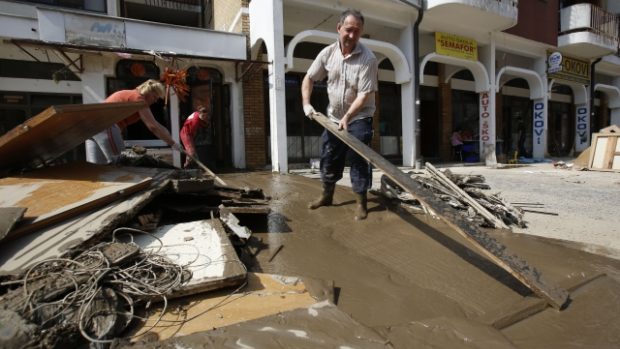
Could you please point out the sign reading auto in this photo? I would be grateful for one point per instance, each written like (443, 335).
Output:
(456, 46)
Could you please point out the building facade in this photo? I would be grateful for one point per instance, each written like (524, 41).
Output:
(528, 78)
(60, 52)
(482, 67)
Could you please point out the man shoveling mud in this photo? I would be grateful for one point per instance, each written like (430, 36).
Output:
(351, 72)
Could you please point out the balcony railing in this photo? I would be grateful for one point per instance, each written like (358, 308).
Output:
(182, 5)
(589, 18)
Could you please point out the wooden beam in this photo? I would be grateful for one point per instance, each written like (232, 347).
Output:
(488, 246)
(498, 223)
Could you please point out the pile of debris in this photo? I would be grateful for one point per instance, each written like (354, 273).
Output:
(462, 192)
(177, 238)
(97, 254)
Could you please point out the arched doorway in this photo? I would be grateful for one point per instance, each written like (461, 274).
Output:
(207, 89)
(561, 132)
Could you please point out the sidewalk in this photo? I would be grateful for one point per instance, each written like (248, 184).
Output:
(586, 202)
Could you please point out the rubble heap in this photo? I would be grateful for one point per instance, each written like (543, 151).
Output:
(442, 185)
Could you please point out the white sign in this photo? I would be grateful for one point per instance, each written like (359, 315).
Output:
(98, 31)
(555, 63)
(582, 127)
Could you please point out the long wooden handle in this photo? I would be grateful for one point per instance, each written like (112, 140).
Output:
(218, 180)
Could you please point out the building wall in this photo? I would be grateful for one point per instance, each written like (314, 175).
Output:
(538, 21)
(254, 120)
(225, 14)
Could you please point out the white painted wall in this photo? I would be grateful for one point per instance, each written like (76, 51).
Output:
(407, 93)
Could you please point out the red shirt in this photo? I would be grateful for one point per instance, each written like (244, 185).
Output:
(126, 96)
(190, 128)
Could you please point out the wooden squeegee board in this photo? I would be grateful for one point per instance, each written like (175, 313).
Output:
(489, 247)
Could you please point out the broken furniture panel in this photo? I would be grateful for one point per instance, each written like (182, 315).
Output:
(605, 150)
(58, 129)
(54, 194)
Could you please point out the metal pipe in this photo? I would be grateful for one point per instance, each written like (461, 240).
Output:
(416, 89)
(592, 83)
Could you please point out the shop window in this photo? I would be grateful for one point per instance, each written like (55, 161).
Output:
(137, 70)
(206, 89)
(188, 13)
(88, 5)
(386, 64)
(464, 74)
(518, 83)
(11, 68)
(17, 107)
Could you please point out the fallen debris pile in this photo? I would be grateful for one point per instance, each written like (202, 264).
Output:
(96, 294)
(462, 192)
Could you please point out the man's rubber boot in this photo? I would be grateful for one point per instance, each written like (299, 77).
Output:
(361, 211)
(326, 199)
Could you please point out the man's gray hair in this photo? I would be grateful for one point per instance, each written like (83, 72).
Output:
(350, 12)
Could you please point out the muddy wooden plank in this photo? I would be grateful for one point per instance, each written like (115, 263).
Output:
(57, 130)
(528, 306)
(8, 217)
(88, 227)
(488, 246)
(54, 194)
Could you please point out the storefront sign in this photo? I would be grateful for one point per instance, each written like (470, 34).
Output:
(99, 31)
(567, 68)
(539, 122)
(485, 132)
(539, 125)
(456, 46)
(582, 128)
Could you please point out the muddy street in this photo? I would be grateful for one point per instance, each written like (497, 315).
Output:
(399, 271)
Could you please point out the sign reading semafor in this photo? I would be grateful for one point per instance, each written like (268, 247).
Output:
(456, 46)
(567, 68)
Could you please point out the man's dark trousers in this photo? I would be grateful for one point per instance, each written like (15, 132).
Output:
(334, 154)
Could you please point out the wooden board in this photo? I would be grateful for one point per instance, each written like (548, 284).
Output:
(204, 247)
(605, 153)
(264, 295)
(488, 246)
(57, 130)
(54, 194)
(89, 227)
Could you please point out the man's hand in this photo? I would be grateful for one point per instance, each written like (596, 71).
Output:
(344, 122)
(309, 110)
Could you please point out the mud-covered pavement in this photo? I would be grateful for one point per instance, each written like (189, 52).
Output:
(415, 281)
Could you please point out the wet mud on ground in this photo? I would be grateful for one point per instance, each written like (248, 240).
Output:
(417, 283)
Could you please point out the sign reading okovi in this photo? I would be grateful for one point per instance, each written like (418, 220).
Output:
(456, 46)
(567, 68)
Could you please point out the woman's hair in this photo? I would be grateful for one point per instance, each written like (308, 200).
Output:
(152, 86)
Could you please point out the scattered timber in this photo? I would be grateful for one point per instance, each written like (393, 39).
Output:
(491, 248)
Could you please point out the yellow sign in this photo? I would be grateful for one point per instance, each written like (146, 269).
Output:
(567, 68)
(456, 46)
